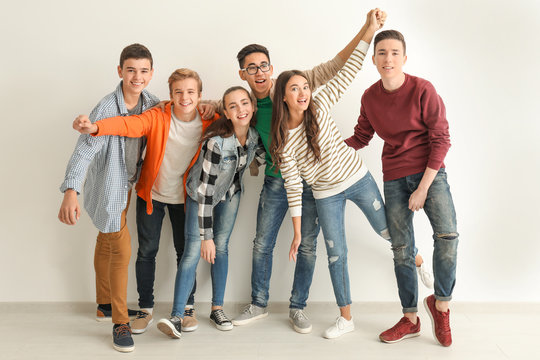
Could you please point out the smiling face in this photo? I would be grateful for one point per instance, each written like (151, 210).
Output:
(297, 94)
(185, 96)
(389, 59)
(238, 108)
(260, 83)
(136, 74)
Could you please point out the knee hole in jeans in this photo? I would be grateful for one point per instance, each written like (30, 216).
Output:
(447, 236)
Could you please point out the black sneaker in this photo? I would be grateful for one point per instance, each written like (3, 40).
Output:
(103, 314)
(122, 340)
(220, 320)
(171, 327)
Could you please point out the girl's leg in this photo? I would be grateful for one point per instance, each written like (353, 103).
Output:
(331, 212)
(365, 194)
(224, 219)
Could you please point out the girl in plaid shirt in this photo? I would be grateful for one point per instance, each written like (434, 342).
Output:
(214, 187)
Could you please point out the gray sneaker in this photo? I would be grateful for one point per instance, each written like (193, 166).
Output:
(250, 313)
(299, 321)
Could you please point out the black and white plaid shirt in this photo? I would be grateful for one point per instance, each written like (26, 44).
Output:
(209, 174)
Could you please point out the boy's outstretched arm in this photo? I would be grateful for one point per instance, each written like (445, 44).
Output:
(83, 125)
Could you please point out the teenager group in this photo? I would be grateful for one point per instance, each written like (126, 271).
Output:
(195, 155)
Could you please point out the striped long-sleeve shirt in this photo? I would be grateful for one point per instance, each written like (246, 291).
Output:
(340, 166)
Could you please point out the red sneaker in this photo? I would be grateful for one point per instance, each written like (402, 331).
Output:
(404, 329)
(440, 322)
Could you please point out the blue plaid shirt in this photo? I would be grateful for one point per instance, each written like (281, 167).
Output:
(103, 157)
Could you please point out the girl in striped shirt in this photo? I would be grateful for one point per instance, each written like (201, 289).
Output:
(306, 144)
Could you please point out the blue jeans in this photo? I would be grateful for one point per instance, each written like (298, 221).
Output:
(365, 194)
(149, 231)
(439, 208)
(273, 206)
(224, 219)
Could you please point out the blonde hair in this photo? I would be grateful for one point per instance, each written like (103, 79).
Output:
(183, 73)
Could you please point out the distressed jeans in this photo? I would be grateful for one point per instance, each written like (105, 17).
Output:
(273, 206)
(365, 194)
(224, 218)
(439, 208)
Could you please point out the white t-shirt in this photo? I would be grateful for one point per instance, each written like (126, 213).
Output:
(181, 147)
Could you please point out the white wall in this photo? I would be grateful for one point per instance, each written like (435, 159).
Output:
(59, 58)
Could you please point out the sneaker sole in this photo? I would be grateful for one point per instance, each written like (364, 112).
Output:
(427, 284)
(124, 349)
(222, 327)
(165, 328)
(140, 331)
(432, 323)
(299, 329)
(190, 329)
(247, 321)
(398, 340)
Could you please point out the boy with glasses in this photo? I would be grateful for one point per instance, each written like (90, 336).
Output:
(256, 69)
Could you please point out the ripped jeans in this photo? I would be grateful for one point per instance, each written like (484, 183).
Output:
(365, 194)
(439, 208)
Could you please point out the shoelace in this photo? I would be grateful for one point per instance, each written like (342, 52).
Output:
(396, 329)
(248, 309)
(299, 315)
(220, 316)
(122, 330)
(189, 312)
(445, 323)
(141, 315)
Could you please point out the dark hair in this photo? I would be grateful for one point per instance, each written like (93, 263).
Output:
(136, 51)
(250, 49)
(280, 119)
(183, 73)
(224, 127)
(390, 34)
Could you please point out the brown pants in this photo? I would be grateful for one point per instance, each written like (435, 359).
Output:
(111, 260)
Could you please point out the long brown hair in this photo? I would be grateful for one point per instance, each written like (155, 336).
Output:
(224, 127)
(280, 119)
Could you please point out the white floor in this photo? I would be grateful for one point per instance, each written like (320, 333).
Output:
(69, 331)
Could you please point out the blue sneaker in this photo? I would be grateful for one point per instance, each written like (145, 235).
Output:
(122, 340)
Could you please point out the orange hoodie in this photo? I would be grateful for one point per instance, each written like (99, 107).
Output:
(154, 124)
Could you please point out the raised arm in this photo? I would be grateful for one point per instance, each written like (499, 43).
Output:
(130, 126)
(322, 73)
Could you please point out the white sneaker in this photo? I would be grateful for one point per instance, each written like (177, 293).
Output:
(425, 275)
(342, 326)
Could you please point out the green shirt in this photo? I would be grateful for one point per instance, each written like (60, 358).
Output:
(264, 123)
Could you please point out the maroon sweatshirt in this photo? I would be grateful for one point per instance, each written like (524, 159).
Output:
(412, 122)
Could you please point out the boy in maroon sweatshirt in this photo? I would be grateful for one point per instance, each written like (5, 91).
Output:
(409, 115)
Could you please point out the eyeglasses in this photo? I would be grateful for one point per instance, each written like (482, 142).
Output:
(252, 69)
